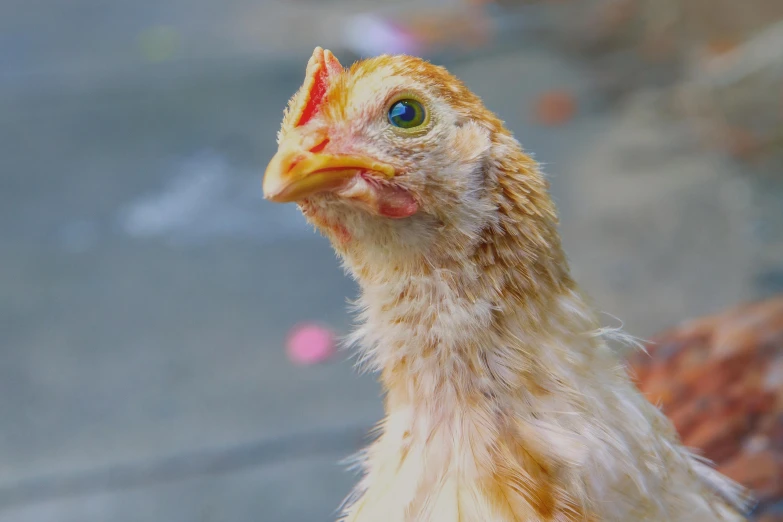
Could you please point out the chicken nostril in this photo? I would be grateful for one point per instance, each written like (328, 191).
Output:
(297, 160)
(320, 147)
(314, 150)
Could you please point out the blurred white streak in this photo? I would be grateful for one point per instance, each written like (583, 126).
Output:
(208, 199)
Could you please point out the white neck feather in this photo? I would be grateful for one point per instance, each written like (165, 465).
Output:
(528, 404)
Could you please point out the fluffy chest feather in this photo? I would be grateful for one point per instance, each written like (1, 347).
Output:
(489, 422)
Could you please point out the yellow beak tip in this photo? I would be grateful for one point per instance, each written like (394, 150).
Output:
(275, 196)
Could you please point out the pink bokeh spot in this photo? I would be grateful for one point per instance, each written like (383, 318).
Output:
(310, 343)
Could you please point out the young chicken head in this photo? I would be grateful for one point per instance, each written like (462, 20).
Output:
(393, 156)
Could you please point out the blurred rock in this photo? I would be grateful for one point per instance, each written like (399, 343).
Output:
(726, 60)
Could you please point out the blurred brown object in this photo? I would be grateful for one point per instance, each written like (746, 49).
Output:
(720, 380)
(742, 143)
(555, 107)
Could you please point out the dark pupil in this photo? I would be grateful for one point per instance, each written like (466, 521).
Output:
(404, 111)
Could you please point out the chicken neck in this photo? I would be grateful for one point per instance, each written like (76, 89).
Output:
(499, 385)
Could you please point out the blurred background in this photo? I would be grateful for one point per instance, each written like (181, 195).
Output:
(147, 290)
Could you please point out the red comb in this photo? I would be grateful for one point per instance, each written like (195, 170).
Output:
(321, 66)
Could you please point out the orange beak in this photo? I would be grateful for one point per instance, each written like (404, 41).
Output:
(300, 168)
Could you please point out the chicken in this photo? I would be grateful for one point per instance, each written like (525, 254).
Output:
(720, 380)
(503, 399)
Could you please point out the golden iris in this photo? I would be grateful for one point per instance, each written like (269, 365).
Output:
(407, 114)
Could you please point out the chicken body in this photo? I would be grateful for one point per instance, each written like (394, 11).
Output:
(720, 380)
(503, 400)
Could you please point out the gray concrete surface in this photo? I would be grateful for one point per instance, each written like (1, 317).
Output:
(146, 289)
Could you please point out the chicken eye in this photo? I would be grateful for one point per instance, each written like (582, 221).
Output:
(407, 114)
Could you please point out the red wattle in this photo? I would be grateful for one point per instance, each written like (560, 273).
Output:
(396, 203)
